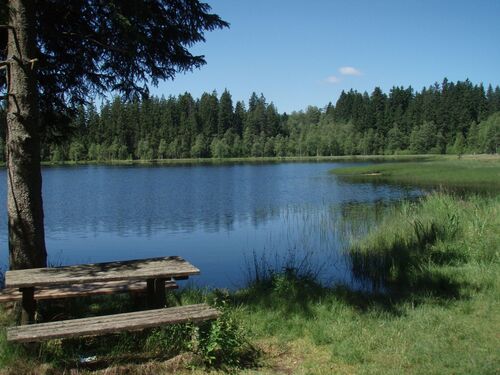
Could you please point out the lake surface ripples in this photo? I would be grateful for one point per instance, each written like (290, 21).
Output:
(222, 218)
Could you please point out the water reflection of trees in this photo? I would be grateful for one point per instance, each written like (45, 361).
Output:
(141, 201)
(352, 218)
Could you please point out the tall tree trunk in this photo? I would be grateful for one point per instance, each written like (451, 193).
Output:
(24, 179)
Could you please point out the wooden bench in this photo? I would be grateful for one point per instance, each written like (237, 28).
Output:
(172, 267)
(152, 275)
(100, 325)
(156, 272)
(80, 290)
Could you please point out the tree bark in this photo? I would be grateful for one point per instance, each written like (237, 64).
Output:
(24, 178)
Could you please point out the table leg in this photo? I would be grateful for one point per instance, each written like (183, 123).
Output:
(161, 299)
(28, 305)
(151, 295)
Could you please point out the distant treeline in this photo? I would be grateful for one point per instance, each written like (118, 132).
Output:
(443, 118)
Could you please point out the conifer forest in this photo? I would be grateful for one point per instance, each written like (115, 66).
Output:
(449, 117)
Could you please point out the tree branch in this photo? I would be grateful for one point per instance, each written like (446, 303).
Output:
(95, 41)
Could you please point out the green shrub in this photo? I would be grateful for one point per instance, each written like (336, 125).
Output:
(223, 343)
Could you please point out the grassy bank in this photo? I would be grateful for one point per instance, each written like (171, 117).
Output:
(469, 171)
(439, 314)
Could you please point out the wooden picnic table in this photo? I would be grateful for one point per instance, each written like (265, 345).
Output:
(156, 271)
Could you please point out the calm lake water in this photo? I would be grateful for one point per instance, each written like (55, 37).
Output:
(221, 218)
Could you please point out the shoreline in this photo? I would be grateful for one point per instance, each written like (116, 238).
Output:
(276, 159)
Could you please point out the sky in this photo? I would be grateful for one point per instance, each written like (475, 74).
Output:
(301, 53)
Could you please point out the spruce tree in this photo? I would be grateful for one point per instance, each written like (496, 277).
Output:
(239, 118)
(225, 113)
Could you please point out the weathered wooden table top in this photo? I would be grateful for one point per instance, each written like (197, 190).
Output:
(141, 269)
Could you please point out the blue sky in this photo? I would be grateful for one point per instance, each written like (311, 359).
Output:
(300, 53)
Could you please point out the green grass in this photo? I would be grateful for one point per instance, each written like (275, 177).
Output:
(478, 173)
(418, 237)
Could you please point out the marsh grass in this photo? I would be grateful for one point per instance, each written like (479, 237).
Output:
(482, 174)
(419, 239)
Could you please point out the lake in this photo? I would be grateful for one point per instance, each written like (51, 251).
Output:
(223, 218)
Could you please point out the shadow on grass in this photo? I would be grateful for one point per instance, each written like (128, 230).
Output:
(289, 290)
(431, 288)
(292, 294)
(406, 270)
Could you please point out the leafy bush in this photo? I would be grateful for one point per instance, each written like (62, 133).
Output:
(223, 343)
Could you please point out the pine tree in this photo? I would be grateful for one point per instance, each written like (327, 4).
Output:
(225, 113)
(208, 114)
(239, 118)
(377, 109)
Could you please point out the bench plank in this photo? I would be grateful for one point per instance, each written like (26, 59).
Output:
(101, 325)
(80, 290)
(142, 269)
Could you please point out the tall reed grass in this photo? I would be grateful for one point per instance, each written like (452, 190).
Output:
(417, 238)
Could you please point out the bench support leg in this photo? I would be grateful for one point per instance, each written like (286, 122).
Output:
(28, 305)
(156, 293)
(161, 299)
(151, 293)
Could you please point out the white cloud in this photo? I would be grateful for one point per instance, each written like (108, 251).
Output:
(332, 79)
(349, 71)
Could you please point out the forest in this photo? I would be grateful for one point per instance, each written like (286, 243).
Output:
(449, 117)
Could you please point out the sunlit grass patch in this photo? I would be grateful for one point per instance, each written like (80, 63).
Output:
(481, 174)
